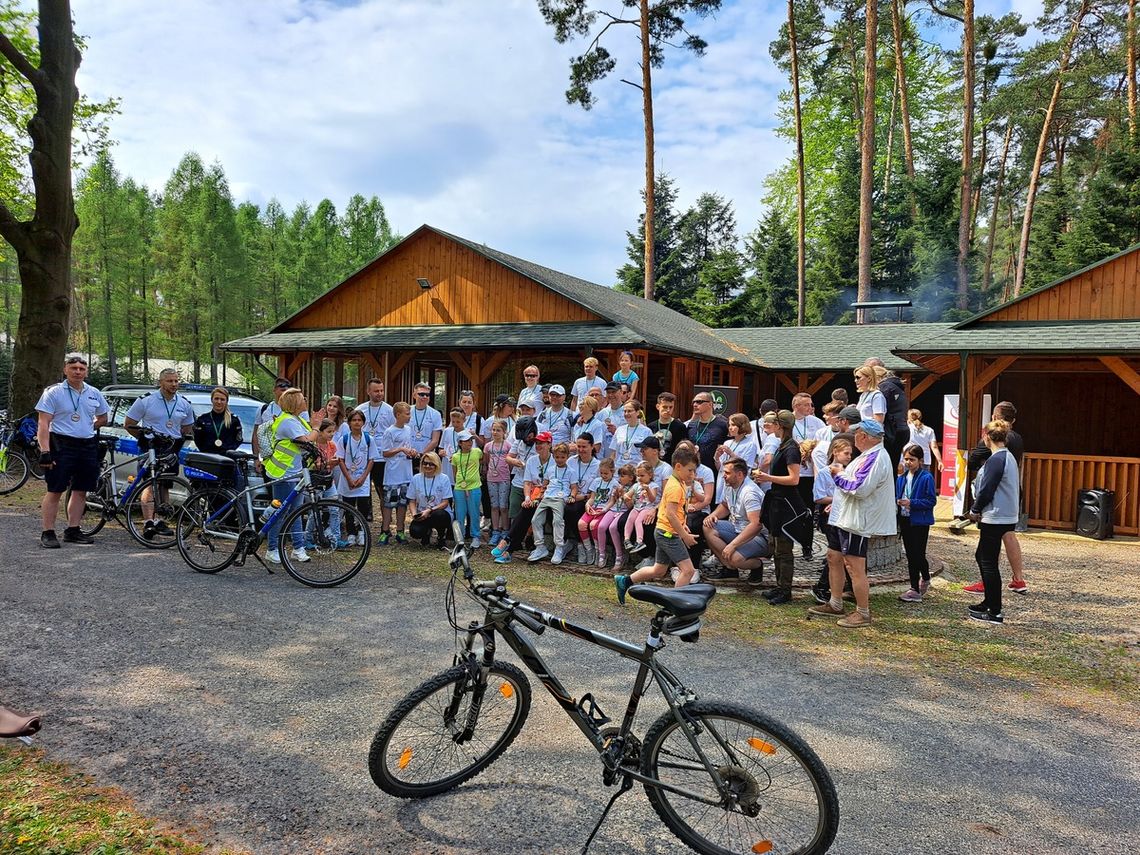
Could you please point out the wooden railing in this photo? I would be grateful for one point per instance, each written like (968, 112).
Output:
(1051, 482)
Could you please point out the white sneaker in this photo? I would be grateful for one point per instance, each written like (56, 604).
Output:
(273, 556)
(476, 543)
(301, 555)
(675, 572)
(559, 554)
(540, 553)
(360, 538)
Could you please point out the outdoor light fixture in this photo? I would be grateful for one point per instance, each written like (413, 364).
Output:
(424, 283)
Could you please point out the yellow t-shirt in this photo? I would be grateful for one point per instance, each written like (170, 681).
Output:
(674, 495)
(466, 466)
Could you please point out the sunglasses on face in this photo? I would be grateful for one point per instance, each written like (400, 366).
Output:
(423, 394)
(427, 466)
(530, 375)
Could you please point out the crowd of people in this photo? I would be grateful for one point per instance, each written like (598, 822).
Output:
(597, 479)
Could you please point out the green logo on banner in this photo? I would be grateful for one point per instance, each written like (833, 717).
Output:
(720, 401)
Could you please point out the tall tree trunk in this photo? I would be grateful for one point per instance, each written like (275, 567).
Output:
(129, 328)
(967, 196)
(801, 218)
(105, 275)
(867, 173)
(43, 244)
(890, 138)
(987, 271)
(1035, 174)
(647, 108)
(145, 334)
(1130, 49)
(900, 72)
(8, 280)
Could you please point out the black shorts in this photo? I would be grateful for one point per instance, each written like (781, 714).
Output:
(76, 464)
(852, 544)
(832, 535)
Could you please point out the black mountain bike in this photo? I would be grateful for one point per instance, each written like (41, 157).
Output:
(723, 777)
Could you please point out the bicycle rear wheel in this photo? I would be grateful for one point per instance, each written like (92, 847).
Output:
(448, 730)
(323, 524)
(207, 535)
(96, 510)
(14, 470)
(782, 798)
(166, 494)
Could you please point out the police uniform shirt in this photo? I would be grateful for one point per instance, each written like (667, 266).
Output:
(377, 419)
(72, 413)
(422, 424)
(166, 418)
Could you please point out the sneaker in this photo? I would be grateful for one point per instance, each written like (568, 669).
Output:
(771, 592)
(619, 563)
(675, 572)
(346, 544)
(911, 596)
(629, 545)
(779, 598)
(710, 562)
(820, 593)
(718, 572)
(476, 543)
(923, 585)
(637, 547)
(273, 556)
(148, 530)
(301, 556)
(980, 608)
(600, 562)
(74, 535)
(540, 553)
(559, 554)
(621, 582)
(48, 540)
(976, 588)
(756, 577)
(1018, 586)
(503, 558)
(360, 538)
(586, 554)
(401, 537)
(384, 539)
(647, 562)
(853, 621)
(825, 610)
(496, 551)
(986, 617)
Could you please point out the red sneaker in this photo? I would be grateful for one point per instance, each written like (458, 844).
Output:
(1018, 586)
(976, 588)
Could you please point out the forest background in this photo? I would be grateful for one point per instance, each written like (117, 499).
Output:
(169, 272)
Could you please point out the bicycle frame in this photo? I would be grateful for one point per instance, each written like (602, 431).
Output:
(302, 484)
(108, 476)
(503, 611)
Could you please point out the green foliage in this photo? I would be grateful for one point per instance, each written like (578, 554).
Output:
(771, 289)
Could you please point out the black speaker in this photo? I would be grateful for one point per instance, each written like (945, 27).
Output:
(1094, 513)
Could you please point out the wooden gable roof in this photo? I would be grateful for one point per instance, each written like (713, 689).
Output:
(1104, 291)
(468, 288)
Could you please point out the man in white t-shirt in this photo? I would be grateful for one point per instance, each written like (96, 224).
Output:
(583, 385)
(426, 422)
(733, 531)
(557, 418)
(611, 415)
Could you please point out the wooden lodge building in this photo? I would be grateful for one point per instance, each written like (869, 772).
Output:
(459, 315)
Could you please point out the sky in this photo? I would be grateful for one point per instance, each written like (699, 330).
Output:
(452, 112)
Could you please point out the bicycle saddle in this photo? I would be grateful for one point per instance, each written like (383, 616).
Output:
(13, 724)
(689, 601)
(237, 454)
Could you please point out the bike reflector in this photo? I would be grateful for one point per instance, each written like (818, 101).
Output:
(405, 758)
(507, 690)
(763, 846)
(767, 748)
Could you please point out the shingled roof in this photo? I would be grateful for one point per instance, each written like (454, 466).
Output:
(830, 348)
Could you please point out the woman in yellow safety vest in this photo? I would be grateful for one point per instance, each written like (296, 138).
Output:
(283, 466)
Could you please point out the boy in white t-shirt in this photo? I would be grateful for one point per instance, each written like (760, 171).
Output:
(398, 452)
(553, 501)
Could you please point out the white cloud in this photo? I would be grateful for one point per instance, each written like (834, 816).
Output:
(451, 111)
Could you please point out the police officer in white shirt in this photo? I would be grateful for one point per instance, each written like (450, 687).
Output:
(170, 418)
(69, 415)
(378, 417)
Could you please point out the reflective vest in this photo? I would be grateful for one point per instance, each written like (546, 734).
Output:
(285, 451)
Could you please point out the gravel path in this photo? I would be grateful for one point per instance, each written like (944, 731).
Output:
(242, 705)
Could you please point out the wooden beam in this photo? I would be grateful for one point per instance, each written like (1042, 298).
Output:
(492, 365)
(476, 375)
(922, 385)
(1124, 371)
(400, 363)
(787, 383)
(802, 381)
(463, 364)
(295, 363)
(820, 382)
(370, 360)
(990, 373)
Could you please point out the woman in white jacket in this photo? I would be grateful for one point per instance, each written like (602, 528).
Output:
(863, 507)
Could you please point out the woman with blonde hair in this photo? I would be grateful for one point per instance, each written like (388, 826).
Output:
(872, 402)
(923, 437)
(283, 466)
(218, 430)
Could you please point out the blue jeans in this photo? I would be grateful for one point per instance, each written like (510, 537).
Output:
(468, 504)
(281, 490)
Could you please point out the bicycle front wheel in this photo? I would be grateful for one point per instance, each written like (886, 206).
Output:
(780, 797)
(327, 559)
(14, 470)
(162, 496)
(448, 730)
(207, 530)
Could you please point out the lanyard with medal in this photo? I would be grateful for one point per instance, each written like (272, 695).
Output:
(428, 490)
(217, 430)
(169, 410)
(354, 453)
(372, 420)
(419, 422)
(76, 400)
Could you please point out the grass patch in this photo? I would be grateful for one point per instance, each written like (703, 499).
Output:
(932, 635)
(48, 808)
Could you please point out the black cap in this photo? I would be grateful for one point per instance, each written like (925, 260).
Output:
(545, 388)
(506, 399)
(650, 442)
(613, 387)
(282, 383)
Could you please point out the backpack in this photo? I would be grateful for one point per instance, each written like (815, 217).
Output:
(264, 434)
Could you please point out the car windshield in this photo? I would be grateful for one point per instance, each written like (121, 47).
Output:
(246, 414)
